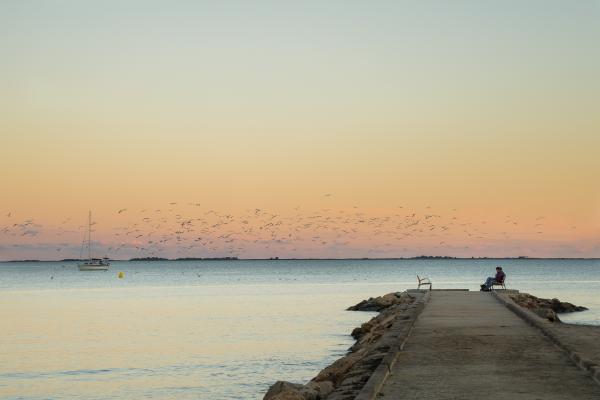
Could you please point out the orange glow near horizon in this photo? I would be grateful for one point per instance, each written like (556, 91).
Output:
(190, 230)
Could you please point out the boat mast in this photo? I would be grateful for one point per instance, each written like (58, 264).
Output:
(90, 236)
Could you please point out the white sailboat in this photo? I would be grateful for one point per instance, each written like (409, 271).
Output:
(92, 264)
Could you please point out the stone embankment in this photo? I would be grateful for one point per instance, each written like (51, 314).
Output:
(375, 340)
(545, 308)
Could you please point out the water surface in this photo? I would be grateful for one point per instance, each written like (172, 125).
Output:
(221, 329)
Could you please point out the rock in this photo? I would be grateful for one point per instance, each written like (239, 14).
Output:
(322, 388)
(545, 308)
(355, 381)
(359, 332)
(360, 306)
(549, 314)
(565, 307)
(282, 390)
(288, 395)
(382, 302)
(283, 387)
(336, 371)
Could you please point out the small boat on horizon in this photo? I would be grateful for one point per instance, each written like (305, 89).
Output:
(92, 264)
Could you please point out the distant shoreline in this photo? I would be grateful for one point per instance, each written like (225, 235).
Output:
(160, 259)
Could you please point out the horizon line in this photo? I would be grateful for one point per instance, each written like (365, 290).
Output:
(158, 259)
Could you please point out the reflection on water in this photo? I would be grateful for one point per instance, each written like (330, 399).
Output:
(217, 330)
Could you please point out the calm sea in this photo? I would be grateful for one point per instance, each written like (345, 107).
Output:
(218, 330)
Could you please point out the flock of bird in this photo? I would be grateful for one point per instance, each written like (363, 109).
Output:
(191, 230)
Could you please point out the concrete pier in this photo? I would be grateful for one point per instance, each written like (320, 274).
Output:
(467, 345)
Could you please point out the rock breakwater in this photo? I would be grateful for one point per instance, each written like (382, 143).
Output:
(344, 379)
(545, 308)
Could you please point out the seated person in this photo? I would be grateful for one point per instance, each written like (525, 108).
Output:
(499, 279)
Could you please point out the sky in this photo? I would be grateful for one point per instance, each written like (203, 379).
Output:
(357, 129)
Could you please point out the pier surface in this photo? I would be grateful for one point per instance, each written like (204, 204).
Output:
(467, 345)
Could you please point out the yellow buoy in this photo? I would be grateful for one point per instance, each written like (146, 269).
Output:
(121, 274)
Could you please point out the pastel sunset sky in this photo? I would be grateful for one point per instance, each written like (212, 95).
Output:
(300, 129)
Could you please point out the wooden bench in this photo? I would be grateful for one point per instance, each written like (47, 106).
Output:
(423, 282)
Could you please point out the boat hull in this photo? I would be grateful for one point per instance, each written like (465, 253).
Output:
(92, 267)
